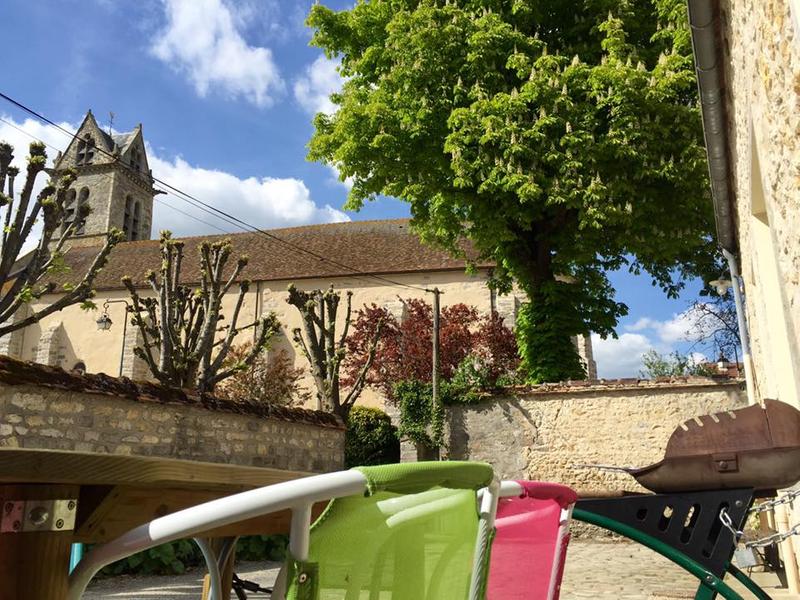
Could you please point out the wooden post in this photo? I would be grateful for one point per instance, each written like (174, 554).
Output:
(435, 375)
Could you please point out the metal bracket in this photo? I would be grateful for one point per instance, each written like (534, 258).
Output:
(689, 522)
(20, 516)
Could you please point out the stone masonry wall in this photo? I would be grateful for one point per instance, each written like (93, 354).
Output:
(762, 50)
(545, 434)
(32, 416)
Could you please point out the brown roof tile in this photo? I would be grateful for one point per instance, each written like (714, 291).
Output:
(372, 247)
(15, 372)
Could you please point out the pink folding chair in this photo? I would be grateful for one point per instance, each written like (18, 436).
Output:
(530, 545)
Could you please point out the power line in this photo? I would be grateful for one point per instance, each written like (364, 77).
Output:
(218, 213)
(156, 198)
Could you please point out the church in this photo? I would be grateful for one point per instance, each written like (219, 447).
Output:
(380, 262)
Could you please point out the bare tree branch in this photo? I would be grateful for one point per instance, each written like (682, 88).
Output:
(23, 283)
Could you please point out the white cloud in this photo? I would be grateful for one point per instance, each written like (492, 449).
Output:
(201, 40)
(13, 133)
(621, 357)
(263, 202)
(313, 89)
(680, 328)
(348, 181)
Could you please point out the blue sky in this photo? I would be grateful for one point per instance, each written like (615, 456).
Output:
(226, 90)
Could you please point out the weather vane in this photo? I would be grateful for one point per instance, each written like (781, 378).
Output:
(110, 122)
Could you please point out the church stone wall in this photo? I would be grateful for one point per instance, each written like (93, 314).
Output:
(124, 186)
(100, 185)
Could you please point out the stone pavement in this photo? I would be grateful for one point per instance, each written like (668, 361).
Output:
(595, 569)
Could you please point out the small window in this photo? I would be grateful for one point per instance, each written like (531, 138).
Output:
(85, 151)
(69, 210)
(137, 210)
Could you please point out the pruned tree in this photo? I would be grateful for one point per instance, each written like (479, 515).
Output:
(25, 278)
(325, 351)
(185, 343)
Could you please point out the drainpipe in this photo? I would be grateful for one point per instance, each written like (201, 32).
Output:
(744, 336)
(703, 20)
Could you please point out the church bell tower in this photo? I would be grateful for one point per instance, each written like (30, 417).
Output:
(113, 179)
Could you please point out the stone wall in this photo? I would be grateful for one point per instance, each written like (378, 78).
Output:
(545, 433)
(762, 51)
(155, 422)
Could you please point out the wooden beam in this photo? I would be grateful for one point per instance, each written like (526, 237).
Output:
(83, 468)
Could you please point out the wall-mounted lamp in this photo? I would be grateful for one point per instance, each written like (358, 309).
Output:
(721, 285)
(104, 323)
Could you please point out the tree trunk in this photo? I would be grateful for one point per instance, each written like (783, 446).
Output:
(549, 320)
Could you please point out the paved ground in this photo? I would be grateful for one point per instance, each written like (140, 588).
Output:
(594, 570)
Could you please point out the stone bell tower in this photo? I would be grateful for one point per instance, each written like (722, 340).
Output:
(113, 179)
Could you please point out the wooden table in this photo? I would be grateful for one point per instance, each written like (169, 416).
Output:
(114, 494)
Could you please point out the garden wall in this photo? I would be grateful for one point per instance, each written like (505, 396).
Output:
(45, 407)
(547, 431)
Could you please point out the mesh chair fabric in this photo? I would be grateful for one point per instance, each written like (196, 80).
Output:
(527, 556)
(412, 538)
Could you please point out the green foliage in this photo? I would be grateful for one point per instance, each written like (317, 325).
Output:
(417, 422)
(672, 365)
(562, 138)
(176, 557)
(371, 439)
(168, 559)
(547, 355)
(262, 547)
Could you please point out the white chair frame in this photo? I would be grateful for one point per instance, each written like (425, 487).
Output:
(298, 495)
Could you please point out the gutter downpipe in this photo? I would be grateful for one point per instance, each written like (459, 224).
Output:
(703, 22)
(744, 338)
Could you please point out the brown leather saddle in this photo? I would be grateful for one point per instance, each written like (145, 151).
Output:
(754, 447)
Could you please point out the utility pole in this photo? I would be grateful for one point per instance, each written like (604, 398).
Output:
(435, 376)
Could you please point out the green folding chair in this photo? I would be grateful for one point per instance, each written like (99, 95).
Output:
(416, 534)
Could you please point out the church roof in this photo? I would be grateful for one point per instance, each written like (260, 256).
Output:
(370, 247)
(123, 139)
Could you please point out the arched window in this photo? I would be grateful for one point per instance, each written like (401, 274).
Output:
(85, 151)
(126, 223)
(137, 212)
(79, 368)
(69, 210)
(83, 200)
